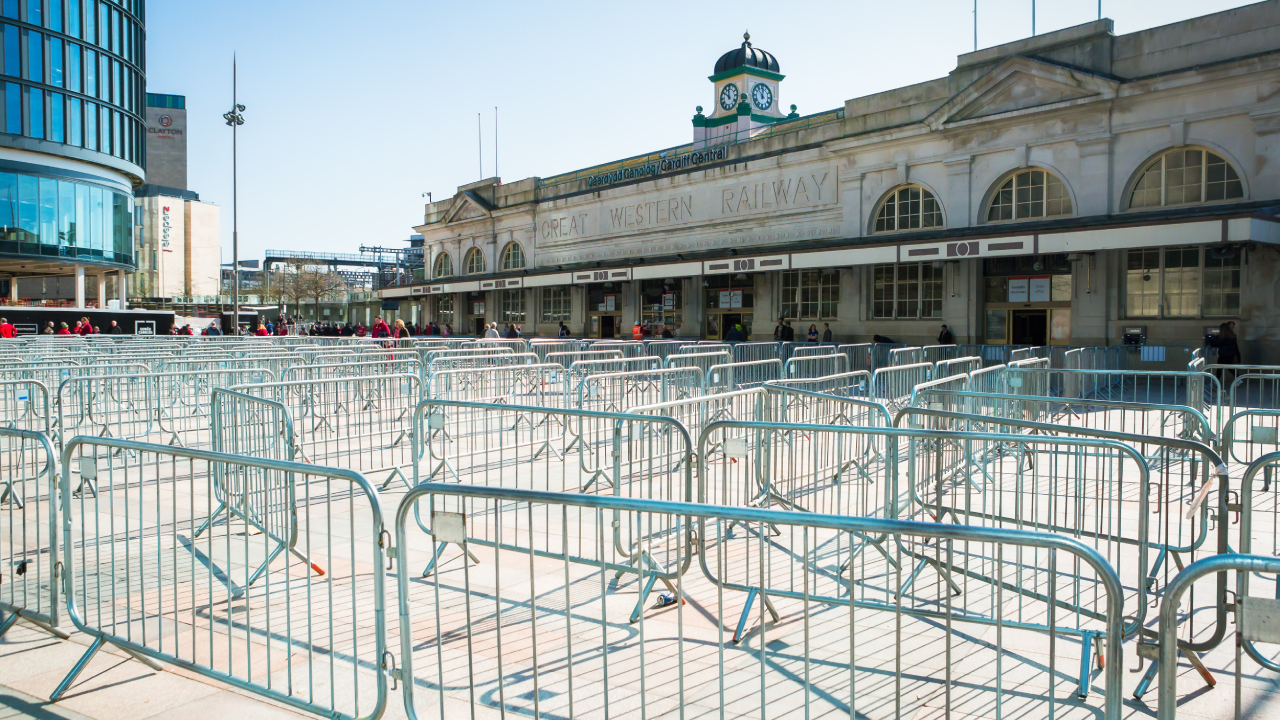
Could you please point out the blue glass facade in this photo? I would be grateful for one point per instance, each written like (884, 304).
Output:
(71, 75)
(50, 218)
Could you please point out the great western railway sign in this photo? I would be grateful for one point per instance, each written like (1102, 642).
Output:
(663, 165)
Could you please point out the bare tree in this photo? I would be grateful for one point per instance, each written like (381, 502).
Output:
(311, 282)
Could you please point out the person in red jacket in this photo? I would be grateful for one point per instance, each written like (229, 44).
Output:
(6, 330)
(262, 330)
(62, 329)
(380, 328)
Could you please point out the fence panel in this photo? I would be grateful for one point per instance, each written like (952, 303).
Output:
(513, 384)
(755, 351)
(742, 375)
(801, 368)
(24, 405)
(565, 359)
(1249, 434)
(277, 590)
(29, 473)
(860, 356)
(702, 361)
(619, 392)
(906, 356)
(854, 384)
(957, 366)
(893, 386)
(883, 655)
(1260, 535)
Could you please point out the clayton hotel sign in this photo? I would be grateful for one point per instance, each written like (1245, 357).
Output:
(678, 162)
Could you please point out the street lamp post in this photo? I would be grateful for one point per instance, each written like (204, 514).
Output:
(234, 119)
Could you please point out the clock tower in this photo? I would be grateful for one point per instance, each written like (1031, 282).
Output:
(746, 101)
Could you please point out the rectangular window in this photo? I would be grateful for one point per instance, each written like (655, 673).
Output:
(810, 294)
(555, 304)
(83, 213)
(13, 108)
(66, 214)
(104, 129)
(906, 291)
(35, 112)
(444, 309)
(104, 77)
(90, 16)
(104, 26)
(35, 56)
(115, 32)
(11, 9)
(1221, 285)
(73, 67)
(55, 63)
(29, 208)
(120, 224)
(56, 127)
(55, 15)
(12, 51)
(1183, 282)
(90, 73)
(75, 134)
(511, 303)
(8, 201)
(90, 126)
(48, 211)
(33, 11)
(73, 18)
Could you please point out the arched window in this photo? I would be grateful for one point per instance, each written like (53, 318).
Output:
(908, 208)
(1183, 176)
(444, 266)
(475, 261)
(512, 257)
(1029, 194)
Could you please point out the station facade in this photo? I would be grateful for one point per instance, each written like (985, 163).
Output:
(1066, 189)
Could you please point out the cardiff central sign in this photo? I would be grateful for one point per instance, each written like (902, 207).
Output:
(662, 165)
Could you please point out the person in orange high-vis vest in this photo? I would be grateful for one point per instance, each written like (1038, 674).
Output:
(637, 332)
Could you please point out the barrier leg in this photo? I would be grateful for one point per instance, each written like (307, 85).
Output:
(11, 495)
(746, 610)
(644, 595)
(1086, 676)
(8, 623)
(207, 523)
(1145, 683)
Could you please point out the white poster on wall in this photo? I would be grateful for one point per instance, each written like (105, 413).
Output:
(610, 302)
(725, 298)
(1018, 289)
(735, 300)
(669, 301)
(1039, 289)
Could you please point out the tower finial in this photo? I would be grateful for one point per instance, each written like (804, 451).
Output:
(746, 38)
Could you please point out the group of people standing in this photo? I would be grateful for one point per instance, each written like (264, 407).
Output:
(511, 332)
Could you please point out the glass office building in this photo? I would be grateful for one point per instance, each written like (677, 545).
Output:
(72, 124)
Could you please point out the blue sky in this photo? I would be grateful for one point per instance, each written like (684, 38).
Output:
(357, 108)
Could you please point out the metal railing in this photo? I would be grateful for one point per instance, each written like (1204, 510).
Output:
(29, 475)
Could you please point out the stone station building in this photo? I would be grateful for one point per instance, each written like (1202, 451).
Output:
(1068, 188)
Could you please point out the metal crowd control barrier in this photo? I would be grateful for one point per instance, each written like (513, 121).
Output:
(816, 366)
(1126, 417)
(618, 392)
(955, 383)
(702, 361)
(508, 446)
(939, 353)
(1197, 390)
(361, 424)
(854, 384)
(251, 426)
(836, 469)
(663, 348)
(1256, 620)
(742, 375)
(583, 369)
(168, 408)
(894, 386)
(148, 569)
(799, 406)
(1254, 386)
(1185, 472)
(628, 348)
(1249, 434)
(566, 359)
(860, 356)
(542, 349)
(24, 405)
(811, 350)
(321, 370)
(29, 577)
(906, 356)
(1266, 527)
(513, 384)
(755, 351)
(706, 347)
(987, 379)
(880, 653)
(957, 366)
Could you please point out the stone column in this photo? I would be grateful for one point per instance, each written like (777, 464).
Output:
(102, 291)
(122, 290)
(13, 291)
(80, 287)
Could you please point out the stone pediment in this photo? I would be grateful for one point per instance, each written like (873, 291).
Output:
(467, 206)
(1021, 85)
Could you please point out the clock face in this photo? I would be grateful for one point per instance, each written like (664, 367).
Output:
(729, 96)
(762, 96)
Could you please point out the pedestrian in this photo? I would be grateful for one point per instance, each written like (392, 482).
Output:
(882, 339)
(262, 330)
(826, 334)
(788, 333)
(6, 330)
(380, 328)
(1228, 349)
(62, 329)
(637, 332)
(212, 330)
(491, 330)
(48, 329)
(812, 335)
(735, 334)
(114, 329)
(945, 337)
(510, 332)
(779, 331)
(562, 331)
(666, 332)
(401, 331)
